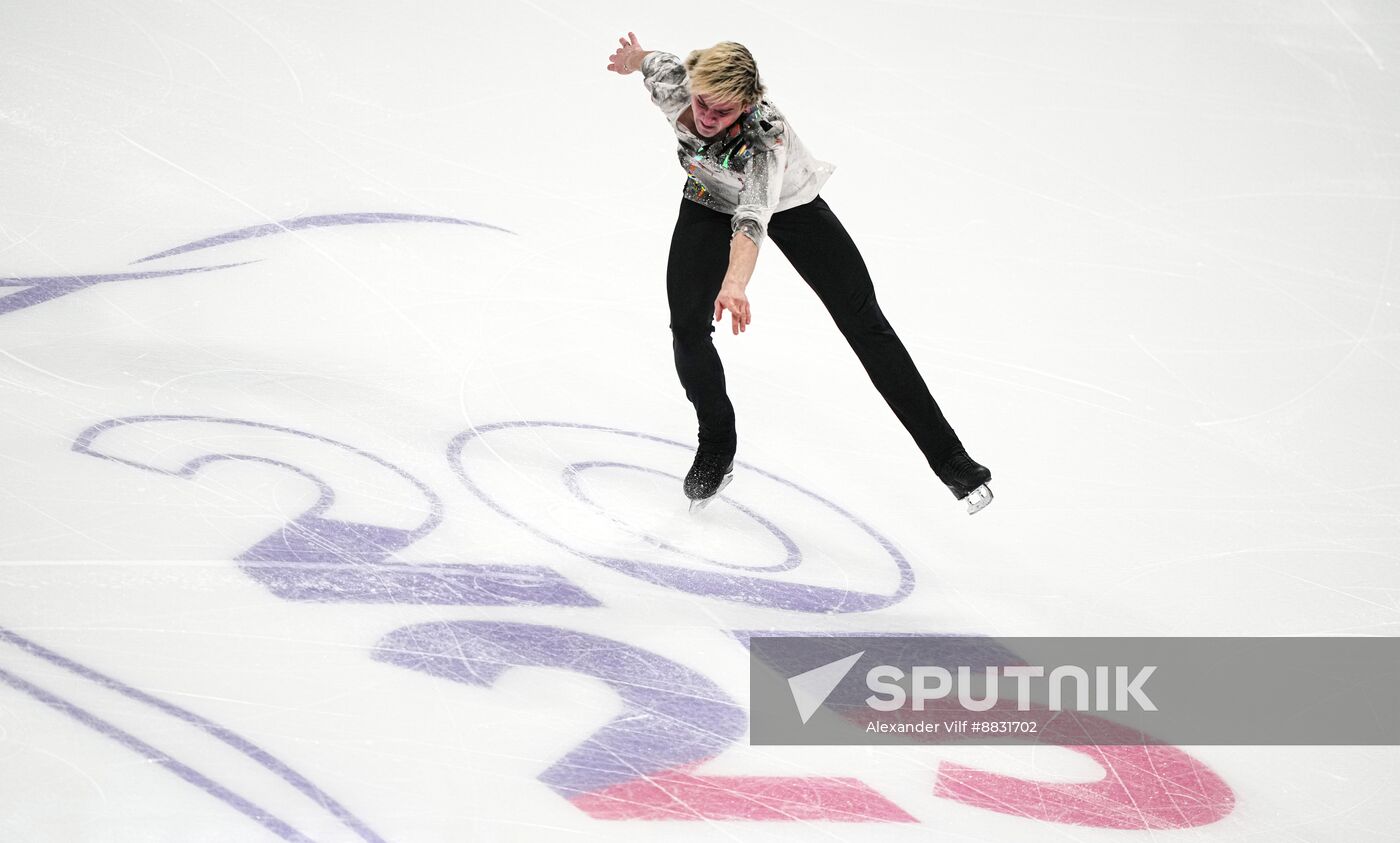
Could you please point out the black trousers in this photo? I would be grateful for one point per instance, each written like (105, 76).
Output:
(818, 247)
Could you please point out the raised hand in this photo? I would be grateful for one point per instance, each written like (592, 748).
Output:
(628, 57)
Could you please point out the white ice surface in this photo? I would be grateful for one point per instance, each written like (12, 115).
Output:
(1145, 254)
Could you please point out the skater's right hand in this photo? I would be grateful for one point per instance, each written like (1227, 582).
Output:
(731, 297)
(628, 57)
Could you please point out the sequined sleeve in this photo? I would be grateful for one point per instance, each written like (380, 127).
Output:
(760, 193)
(665, 78)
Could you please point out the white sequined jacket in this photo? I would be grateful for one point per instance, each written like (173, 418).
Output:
(755, 169)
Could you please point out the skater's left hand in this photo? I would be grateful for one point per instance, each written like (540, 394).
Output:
(732, 298)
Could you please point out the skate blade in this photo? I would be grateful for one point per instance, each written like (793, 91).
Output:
(978, 499)
(699, 504)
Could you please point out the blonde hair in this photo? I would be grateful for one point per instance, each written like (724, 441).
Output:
(726, 71)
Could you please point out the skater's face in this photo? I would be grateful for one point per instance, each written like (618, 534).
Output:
(713, 115)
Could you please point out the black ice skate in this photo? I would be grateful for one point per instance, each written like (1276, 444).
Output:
(709, 474)
(966, 479)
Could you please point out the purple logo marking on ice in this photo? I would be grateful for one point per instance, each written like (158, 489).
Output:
(672, 716)
(789, 595)
(321, 221)
(316, 557)
(102, 725)
(41, 288)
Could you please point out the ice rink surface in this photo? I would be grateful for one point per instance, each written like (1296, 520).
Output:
(340, 439)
